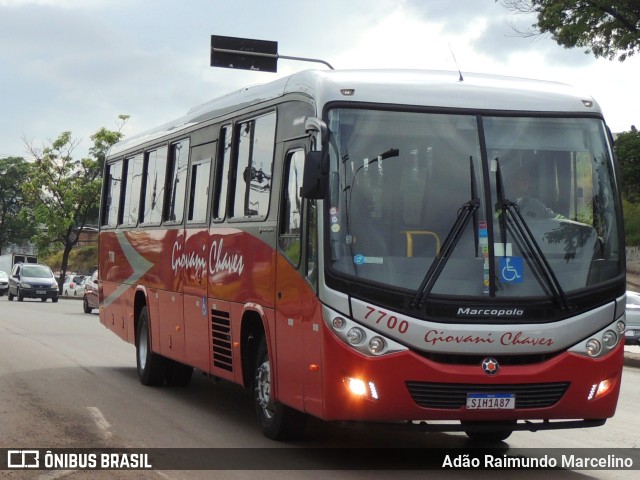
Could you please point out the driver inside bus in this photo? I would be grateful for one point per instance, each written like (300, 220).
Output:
(518, 185)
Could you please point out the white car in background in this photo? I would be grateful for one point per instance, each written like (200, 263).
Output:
(4, 283)
(73, 286)
(632, 332)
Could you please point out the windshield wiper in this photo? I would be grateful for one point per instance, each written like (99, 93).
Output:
(510, 210)
(465, 213)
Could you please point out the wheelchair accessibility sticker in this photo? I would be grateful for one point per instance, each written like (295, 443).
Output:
(511, 269)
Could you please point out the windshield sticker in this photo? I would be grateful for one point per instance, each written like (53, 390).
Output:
(503, 249)
(335, 228)
(483, 237)
(361, 260)
(511, 269)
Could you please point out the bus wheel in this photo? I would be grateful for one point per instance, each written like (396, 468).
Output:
(497, 435)
(278, 421)
(151, 367)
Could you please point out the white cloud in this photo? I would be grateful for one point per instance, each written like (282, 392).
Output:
(76, 64)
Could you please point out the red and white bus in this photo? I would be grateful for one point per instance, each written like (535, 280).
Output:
(376, 246)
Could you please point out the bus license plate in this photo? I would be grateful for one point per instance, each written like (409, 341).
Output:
(491, 401)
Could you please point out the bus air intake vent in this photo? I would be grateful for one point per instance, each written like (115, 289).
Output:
(454, 395)
(221, 340)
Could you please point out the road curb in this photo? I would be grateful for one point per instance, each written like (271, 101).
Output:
(632, 359)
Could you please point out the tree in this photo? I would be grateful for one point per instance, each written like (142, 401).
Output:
(607, 28)
(627, 148)
(64, 193)
(14, 226)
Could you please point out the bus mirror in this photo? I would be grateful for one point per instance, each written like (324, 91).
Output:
(315, 177)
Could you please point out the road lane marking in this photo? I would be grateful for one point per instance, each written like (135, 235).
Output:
(100, 421)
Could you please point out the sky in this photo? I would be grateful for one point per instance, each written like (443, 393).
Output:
(75, 65)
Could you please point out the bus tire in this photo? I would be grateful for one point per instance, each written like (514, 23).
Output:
(278, 421)
(487, 436)
(178, 374)
(151, 366)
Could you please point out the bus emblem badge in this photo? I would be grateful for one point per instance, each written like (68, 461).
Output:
(490, 366)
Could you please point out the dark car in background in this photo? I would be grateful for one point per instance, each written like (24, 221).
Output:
(32, 280)
(90, 297)
(4, 283)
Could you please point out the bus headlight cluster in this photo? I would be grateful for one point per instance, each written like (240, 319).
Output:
(597, 346)
(602, 342)
(359, 337)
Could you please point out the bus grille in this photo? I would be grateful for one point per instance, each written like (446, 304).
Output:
(221, 340)
(454, 395)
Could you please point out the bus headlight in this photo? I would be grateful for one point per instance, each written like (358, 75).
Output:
(621, 327)
(338, 322)
(376, 345)
(593, 347)
(609, 339)
(355, 336)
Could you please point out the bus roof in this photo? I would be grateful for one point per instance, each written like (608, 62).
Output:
(422, 88)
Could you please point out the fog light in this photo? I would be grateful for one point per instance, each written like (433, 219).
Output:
(357, 387)
(600, 389)
(355, 336)
(609, 339)
(376, 344)
(361, 388)
(593, 347)
(373, 390)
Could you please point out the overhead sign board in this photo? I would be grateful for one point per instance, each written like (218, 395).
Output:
(244, 53)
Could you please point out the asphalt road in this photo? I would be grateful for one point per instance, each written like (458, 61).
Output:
(65, 381)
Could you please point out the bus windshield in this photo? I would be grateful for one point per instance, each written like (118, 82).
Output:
(518, 206)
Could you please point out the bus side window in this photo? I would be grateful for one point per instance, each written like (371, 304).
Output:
(290, 232)
(252, 187)
(130, 209)
(221, 176)
(111, 198)
(176, 181)
(155, 167)
(199, 191)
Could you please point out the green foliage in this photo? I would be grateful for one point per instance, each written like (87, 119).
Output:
(631, 223)
(627, 148)
(63, 193)
(16, 224)
(83, 260)
(607, 28)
